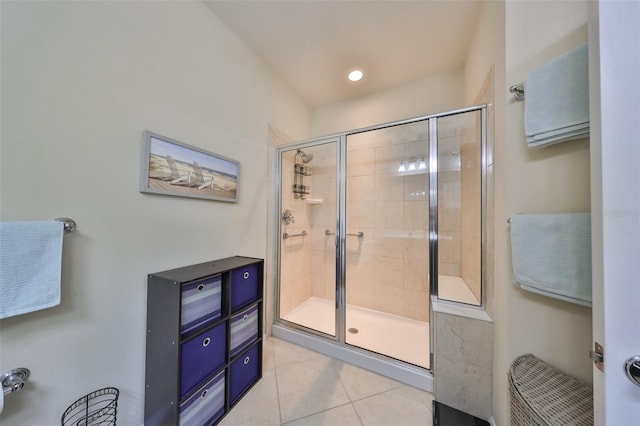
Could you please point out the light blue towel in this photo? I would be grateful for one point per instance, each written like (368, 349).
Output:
(551, 255)
(30, 266)
(557, 100)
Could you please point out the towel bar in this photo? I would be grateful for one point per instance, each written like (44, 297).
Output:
(286, 235)
(355, 234)
(69, 224)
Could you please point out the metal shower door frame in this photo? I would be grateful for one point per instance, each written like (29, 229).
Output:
(338, 140)
(340, 238)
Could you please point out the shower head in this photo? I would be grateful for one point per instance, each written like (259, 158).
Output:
(306, 157)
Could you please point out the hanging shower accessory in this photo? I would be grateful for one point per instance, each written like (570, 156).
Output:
(300, 190)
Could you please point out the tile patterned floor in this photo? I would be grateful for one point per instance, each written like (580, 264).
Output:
(300, 387)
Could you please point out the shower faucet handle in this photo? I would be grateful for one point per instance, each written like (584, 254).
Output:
(287, 217)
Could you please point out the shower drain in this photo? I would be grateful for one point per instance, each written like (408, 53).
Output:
(353, 330)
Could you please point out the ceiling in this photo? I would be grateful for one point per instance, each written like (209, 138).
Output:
(313, 44)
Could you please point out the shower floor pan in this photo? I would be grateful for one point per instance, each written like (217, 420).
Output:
(401, 338)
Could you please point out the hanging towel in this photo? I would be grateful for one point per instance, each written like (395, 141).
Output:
(30, 266)
(551, 255)
(556, 106)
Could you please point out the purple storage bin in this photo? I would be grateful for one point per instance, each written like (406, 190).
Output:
(202, 356)
(206, 405)
(201, 302)
(244, 371)
(244, 286)
(243, 329)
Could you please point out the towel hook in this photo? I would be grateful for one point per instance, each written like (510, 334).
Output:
(13, 380)
(518, 91)
(69, 224)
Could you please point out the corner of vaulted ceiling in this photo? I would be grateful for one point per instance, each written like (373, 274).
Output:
(392, 42)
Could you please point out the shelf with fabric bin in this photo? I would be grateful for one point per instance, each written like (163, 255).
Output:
(200, 320)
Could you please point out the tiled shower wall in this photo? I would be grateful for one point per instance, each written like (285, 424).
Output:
(459, 200)
(387, 268)
(323, 217)
(449, 213)
(449, 197)
(471, 236)
(296, 252)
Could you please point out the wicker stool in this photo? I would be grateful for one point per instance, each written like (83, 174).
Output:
(544, 396)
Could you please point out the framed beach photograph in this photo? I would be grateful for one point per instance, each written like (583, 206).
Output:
(169, 167)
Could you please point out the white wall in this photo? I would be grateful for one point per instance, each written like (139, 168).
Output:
(80, 81)
(485, 72)
(484, 82)
(549, 180)
(433, 94)
(486, 52)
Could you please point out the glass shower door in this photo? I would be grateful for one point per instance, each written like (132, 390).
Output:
(459, 207)
(375, 224)
(387, 242)
(307, 267)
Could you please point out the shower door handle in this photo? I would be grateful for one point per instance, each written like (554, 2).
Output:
(632, 368)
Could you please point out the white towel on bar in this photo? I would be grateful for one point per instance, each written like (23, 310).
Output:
(557, 100)
(30, 266)
(551, 255)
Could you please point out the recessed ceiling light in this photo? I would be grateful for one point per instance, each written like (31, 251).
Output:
(355, 75)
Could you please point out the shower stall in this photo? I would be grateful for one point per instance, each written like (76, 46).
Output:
(373, 223)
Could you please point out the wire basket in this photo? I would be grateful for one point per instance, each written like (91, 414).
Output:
(97, 408)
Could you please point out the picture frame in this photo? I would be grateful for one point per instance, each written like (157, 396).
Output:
(170, 167)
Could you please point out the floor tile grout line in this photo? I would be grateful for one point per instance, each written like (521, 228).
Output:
(275, 374)
(396, 386)
(413, 400)
(347, 393)
(374, 394)
(320, 412)
(330, 359)
(341, 383)
(352, 401)
(355, 410)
